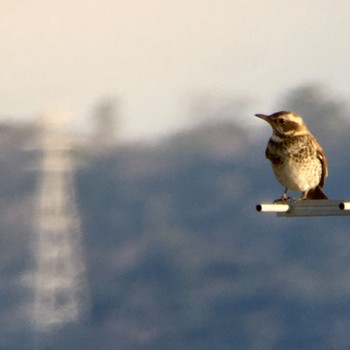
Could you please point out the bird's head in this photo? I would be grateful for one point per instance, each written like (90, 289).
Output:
(285, 123)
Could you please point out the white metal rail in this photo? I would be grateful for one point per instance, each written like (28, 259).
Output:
(292, 208)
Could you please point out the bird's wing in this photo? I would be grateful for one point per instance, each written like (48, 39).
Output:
(322, 157)
(271, 153)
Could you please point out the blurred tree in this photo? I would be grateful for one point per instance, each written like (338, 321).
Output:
(211, 107)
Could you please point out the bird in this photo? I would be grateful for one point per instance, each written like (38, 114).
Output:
(298, 161)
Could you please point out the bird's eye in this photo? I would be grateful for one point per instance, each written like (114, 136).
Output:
(280, 121)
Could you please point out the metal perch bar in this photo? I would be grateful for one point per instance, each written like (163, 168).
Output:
(274, 208)
(344, 205)
(307, 208)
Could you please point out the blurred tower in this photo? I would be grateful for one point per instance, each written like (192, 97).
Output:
(105, 118)
(60, 285)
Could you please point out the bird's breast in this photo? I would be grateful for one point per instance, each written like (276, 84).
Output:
(295, 163)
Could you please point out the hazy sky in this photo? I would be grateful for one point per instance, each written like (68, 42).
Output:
(155, 55)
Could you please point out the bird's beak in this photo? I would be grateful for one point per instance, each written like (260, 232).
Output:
(263, 116)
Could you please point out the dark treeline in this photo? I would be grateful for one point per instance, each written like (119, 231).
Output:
(177, 257)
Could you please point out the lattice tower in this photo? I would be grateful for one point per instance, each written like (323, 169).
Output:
(60, 290)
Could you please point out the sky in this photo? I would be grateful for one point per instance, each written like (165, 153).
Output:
(155, 57)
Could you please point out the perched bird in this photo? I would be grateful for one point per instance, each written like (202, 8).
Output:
(297, 159)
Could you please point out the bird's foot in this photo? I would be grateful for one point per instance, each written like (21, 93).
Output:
(284, 199)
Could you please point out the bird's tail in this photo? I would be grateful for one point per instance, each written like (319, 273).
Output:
(316, 193)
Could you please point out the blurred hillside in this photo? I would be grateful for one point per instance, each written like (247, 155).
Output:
(177, 256)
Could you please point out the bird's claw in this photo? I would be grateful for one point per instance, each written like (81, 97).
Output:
(284, 199)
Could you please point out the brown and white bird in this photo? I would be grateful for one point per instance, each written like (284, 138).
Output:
(297, 159)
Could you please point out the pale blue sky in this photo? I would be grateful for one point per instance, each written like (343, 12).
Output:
(155, 54)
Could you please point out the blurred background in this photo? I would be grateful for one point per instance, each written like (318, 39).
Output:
(131, 164)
